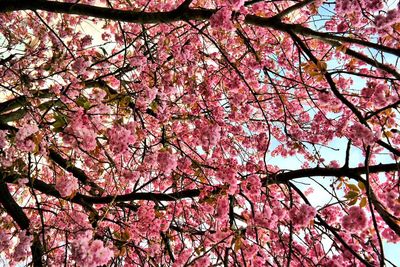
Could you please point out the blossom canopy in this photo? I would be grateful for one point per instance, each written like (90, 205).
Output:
(199, 132)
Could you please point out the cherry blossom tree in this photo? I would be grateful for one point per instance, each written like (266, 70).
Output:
(162, 133)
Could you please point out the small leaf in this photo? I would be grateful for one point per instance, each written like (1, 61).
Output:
(238, 244)
(322, 66)
(83, 102)
(353, 187)
(363, 202)
(354, 201)
(124, 102)
(122, 251)
(351, 195)
(125, 235)
(340, 185)
(361, 185)
(341, 48)
(153, 106)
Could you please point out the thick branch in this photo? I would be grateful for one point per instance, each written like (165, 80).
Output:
(12, 208)
(78, 173)
(15, 211)
(192, 14)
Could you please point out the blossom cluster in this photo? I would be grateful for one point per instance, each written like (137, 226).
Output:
(392, 200)
(350, 6)
(66, 185)
(210, 135)
(81, 128)
(385, 21)
(252, 187)
(22, 249)
(360, 134)
(4, 240)
(119, 139)
(80, 65)
(302, 215)
(23, 137)
(3, 139)
(222, 207)
(356, 219)
(222, 19)
(167, 162)
(87, 253)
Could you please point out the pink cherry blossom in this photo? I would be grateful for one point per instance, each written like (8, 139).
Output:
(356, 219)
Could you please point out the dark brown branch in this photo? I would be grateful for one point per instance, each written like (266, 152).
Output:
(76, 172)
(11, 206)
(331, 229)
(293, 8)
(18, 215)
(192, 14)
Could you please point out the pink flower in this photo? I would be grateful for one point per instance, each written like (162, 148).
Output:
(86, 40)
(235, 4)
(167, 162)
(80, 65)
(303, 215)
(183, 258)
(119, 139)
(23, 137)
(361, 134)
(222, 207)
(66, 185)
(3, 140)
(222, 19)
(390, 236)
(88, 254)
(100, 254)
(252, 187)
(22, 250)
(356, 219)
(210, 135)
(5, 239)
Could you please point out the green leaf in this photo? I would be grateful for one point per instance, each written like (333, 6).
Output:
(351, 195)
(353, 202)
(361, 185)
(83, 102)
(60, 123)
(353, 187)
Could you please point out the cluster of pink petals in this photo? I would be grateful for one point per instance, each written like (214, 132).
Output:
(392, 200)
(80, 65)
(119, 139)
(390, 235)
(222, 19)
(350, 6)
(66, 185)
(87, 253)
(252, 187)
(3, 139)
(211, 134)
(183, 258)
(167, 162)
(222, 207)
(302, 215)
(22, 250)
(23, 140)
(4, 240)
(360, 134)
(391, 17)
(235, 4)
(81, 127)
(356, 219)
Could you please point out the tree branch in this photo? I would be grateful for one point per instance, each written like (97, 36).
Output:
(18, 215)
